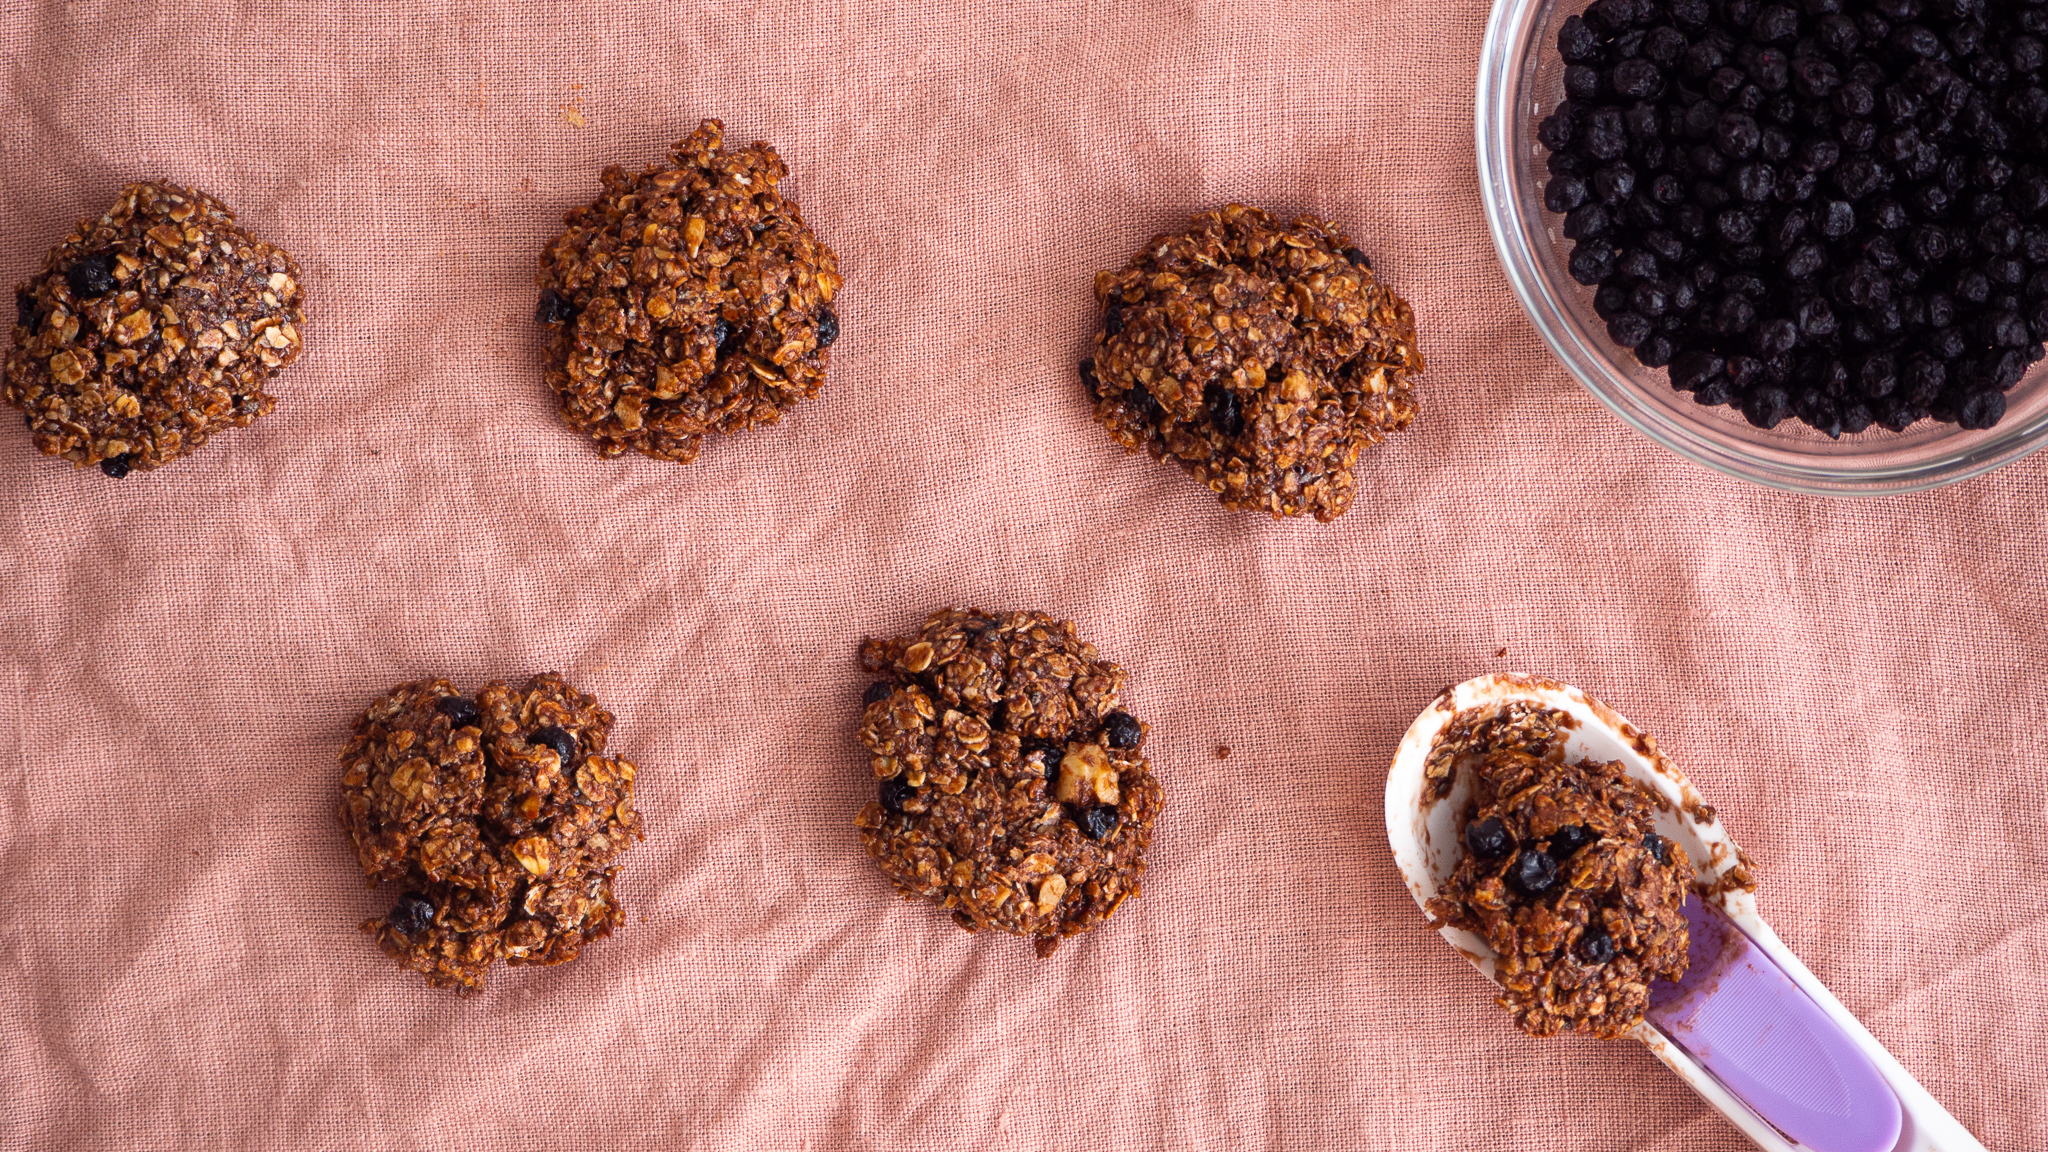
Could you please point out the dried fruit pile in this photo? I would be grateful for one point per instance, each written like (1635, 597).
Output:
(1831, 209)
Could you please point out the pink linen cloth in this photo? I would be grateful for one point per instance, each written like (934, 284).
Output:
(1857, 685)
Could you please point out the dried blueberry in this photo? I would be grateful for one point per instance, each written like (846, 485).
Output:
(460, 711)
(1146, 404)
(1605, 135)
(1629, 329)
(1595, 946)
(1556, 133)
(1775, 337)
(828, 328)
(1664, 46)
(1736, 134)
(1488, 839)
(1982, 409)
(1591, 263)
(1693, 369)
(1098, 821)
(1534, 872)
(1636, 79)
(1734, 314)
(1570, 839)
(1924, 377)
(1638, 264)
(1615, 183)
(1665, 246)
(1973, 285)
(1049, 757)
(1586, 221)
(555, 738)
(1576, 40)
(24, 309)
(1813, 77)
(1658, 847)
(893, 792)
(1735, 226)
(412, 914)
(1804, 261)
(91, 275)
(877, 692)
(1816, 319)
(726, 338)
(117, 467)
(1113, 317)
(553, 308)
(1564, 193)
(1123, 729)
(1226, 411)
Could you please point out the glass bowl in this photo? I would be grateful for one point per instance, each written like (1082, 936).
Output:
(1521, 80)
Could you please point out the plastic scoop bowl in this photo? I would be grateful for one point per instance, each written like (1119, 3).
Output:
(1749, 1028)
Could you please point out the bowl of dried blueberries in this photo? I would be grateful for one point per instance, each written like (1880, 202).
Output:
(1802, 242)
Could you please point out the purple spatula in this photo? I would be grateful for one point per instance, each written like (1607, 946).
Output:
(1746, 1022)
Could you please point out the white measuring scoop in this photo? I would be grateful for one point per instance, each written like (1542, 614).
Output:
(1749, 1028)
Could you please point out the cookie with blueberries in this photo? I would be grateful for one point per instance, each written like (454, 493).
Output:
(1260, 357)
(1013, 787)
(687, 300)
(1563, 874)
(497, 820)
(149, 330)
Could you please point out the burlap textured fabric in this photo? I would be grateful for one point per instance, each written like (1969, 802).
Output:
(1858, 686)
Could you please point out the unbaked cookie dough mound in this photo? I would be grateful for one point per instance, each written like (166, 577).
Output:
(1014, 788)
(149, 330)
(495, 819)
(1261, 358)
(687, 300)
(1563, 875)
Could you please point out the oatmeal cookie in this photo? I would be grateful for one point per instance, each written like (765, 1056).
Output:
(1563, 874)
(686, 300)
(1014, 788)
(497, 819)
(149, 330)
(1261, 358)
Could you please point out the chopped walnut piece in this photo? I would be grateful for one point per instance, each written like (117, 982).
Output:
(1087, 776)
